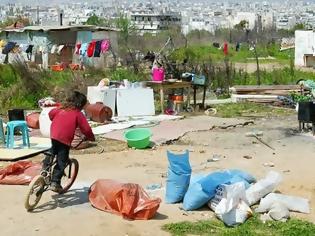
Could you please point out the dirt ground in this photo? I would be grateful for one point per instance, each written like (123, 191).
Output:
(72, 214)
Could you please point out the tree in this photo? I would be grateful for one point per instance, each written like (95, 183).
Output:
(95, 20)
(19, 20)
(299, 26)
(126, 29)
(242, 25)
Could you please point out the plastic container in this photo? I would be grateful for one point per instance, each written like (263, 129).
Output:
(32, 120)
(176, 97)
(16, 114)
(158, 74)
(306, 112)
(138, 138)
(98, 112)
(57, 68)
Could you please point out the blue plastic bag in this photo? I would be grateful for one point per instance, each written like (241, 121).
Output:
(179, 172)
(202, 191)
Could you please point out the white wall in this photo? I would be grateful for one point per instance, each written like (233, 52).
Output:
(304, 44)
(248, 16)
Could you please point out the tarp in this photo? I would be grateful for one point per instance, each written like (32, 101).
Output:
(19, 173)
(125, 199)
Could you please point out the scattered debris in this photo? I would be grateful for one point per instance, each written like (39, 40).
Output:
(163, 175)
(153, 186)
(256, 135)
(211, 112)
(215, 158)
(269, 164)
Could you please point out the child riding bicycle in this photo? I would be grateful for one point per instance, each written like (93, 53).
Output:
(65, 121)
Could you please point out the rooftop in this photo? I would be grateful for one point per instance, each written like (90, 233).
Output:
(59, 28)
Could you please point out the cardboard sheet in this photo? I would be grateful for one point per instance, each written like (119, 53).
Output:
(38, 145)
(171, 130)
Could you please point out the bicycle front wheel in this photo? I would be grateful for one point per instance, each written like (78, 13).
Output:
(70, 174)
(35, 192)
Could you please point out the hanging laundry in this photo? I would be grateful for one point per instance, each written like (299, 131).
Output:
(8, 48)
(16, 49)
(83, 49)
(23, 47)
(91, 49)
(77, 48)
(105, 45)
(39, 49)
(97, 52)
(53, 49)
(226, 49)
(60, 48)
(29, 49)
(2, 43)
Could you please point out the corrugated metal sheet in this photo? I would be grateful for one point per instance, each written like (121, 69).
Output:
(60, 28)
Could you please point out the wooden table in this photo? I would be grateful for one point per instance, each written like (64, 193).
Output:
(162, 86)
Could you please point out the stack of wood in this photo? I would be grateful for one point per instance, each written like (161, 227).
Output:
(263, 93)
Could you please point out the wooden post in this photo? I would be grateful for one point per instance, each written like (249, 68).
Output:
(257, 62)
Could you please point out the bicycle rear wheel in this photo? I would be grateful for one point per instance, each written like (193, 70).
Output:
(70, 174)
(35, 192)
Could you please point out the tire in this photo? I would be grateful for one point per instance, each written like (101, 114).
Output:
(68, 178)
(37, 183)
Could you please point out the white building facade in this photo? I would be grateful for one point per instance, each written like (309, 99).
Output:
(304, 48)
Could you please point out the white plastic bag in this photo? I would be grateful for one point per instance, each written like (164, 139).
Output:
(229, 204)
(279, 211)
(237, 215)
(264, 186)
(292, 203)
(231, 197)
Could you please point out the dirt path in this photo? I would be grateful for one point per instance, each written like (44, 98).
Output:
(251, 67)
(72, 214)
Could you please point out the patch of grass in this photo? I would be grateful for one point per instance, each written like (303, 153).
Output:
(252, 227)
(206, 52)
(230, 110)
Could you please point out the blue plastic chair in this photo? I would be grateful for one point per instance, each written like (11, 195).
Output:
(11, 125)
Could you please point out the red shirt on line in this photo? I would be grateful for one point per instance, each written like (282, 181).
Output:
(64, 124)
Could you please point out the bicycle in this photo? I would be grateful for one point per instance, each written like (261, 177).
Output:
(41, 183)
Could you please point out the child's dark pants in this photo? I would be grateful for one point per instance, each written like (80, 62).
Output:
(62, 152)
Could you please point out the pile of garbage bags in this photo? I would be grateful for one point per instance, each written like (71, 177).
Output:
(229, 193)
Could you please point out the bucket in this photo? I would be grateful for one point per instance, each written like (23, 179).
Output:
(306, 112)
(138, 138)
(98, 112)
(158, 74)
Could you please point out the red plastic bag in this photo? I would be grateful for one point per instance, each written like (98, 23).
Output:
(125, 199)
(19, 173)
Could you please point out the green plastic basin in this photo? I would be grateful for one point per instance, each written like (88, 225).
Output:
(138, 138)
